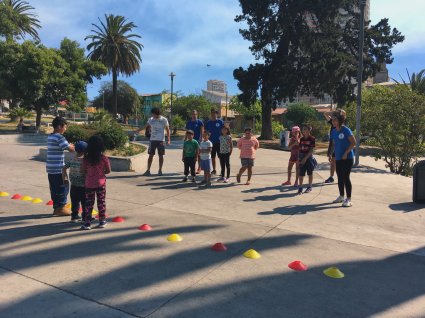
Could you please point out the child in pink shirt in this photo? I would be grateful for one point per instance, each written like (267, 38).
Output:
(248, 145)
(96, 166)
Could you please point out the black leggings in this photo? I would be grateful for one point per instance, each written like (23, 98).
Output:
(189, 163)
(225, 163)
(343, 170)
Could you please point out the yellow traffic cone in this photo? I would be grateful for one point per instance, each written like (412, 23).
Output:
(26, 198)
(174, 238)
(251, 253)
(333, 272)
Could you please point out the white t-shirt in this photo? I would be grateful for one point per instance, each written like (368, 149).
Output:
(157, 128)
(205, 145)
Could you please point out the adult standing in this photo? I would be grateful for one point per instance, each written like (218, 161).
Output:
(344, 142)
(197, 126)
(331, 150)
(156, 126)
(214, 126)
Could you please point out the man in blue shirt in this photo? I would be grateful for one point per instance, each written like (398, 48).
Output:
(214, 126)
(197, 126)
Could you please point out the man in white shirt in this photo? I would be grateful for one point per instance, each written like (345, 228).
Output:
(155, 126)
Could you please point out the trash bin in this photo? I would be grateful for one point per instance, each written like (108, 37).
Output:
(419, 182)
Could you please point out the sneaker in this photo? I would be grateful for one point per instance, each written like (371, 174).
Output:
(286, 183)
(102, 224)
(159, 173)
(85, 227)
(339, 199)
(184, 179)
(75, 219)
(300, 191)
(193, 179)
(220, 179)
(147, 173)
(347, 203)
(308, 190)
(226, 180)
(329, 180)
(214, 172)
(62, 211)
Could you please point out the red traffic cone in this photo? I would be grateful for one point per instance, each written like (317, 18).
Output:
(118, 219)
(145, 227)
(49, 203)
(219, 247)
(16, 197)
(297, 266)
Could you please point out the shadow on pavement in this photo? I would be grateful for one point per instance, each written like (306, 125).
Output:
(302, 209)
(407, 207)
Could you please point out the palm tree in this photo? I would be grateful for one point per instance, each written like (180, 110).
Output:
(24, 21)
(115, 48)
(416, 81)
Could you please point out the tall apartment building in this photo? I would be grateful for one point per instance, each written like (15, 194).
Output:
(216, 93)
(216, 86)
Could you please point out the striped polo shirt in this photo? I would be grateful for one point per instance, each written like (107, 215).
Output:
(56, 144)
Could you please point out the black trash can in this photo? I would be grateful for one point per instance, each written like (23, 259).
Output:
(419, 182)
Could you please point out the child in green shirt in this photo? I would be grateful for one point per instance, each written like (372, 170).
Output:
(190, 155)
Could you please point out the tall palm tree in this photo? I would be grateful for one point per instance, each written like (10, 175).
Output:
(416, 81)
(112, 45)
(24, 21)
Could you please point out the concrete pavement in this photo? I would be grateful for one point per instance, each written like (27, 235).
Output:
(51, 269)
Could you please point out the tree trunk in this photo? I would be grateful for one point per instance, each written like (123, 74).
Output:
(266, 115)
(114, 94)
(38, 118)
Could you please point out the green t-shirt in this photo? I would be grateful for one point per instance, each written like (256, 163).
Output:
(190, 147)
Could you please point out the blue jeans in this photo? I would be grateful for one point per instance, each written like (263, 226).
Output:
(58, 190)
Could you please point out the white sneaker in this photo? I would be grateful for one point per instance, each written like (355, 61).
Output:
(347, 203)
(339, 199)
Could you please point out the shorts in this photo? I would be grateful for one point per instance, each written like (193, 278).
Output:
(247, 162)
(306, 168)
(156, 144)
(206, 165)
(215, 150)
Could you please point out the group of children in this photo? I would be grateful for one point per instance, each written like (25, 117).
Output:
(87, 175)
(192, 150)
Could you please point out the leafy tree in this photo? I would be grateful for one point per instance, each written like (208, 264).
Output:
(184, 105)
(19, 112)
(395, 119)
(17, 20)
(128, 99)
(299, 114)
(416, 81)
(177, 123)
(253, 110)
(307, 47)
(112, 45)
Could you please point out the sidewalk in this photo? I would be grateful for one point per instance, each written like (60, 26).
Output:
(51, 269)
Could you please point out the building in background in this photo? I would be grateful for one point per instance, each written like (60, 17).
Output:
(153, 100)
(216, 86)
(216, 93)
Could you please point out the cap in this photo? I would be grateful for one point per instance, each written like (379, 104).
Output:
(80, 146)
(295, 128)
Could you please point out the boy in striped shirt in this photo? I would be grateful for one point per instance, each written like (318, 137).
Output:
(56, 145)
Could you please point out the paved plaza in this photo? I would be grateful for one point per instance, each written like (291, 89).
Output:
(49, 268)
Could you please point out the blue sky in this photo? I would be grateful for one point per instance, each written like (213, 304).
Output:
(184, 36)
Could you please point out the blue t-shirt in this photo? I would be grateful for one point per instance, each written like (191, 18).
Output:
(341, 142)
(214, 127)
(196, 127)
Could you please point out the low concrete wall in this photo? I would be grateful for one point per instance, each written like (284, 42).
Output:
(23, 138)
(135, 163)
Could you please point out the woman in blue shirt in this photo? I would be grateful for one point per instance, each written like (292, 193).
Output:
(344, 143)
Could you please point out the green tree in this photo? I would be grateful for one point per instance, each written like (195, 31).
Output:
(128, 99)
(253, 110)
(395, 119)
(184, 105)
(299, 114)
(17, 20)
(307, 47)
(112, 45)
(19, 113)
(416, 81)
(177, 123)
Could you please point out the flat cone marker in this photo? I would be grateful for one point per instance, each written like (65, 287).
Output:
(118, 219)
(94, 212)
(4, 194)
(26, 198)
(68, 206)
(49, 203)
(37, 200)
(16, 196)
(297, 266)
(251, 253)
(145, 227)
(333, 272)
(219, 247)
(174, 238)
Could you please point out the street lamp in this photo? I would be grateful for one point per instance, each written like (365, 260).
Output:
(362, 4)
(171, 102)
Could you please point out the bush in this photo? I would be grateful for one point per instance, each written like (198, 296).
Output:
(320, 129)
(299, 114)
(277, 128)
(19, 112)
(113, 135)
(75, 133)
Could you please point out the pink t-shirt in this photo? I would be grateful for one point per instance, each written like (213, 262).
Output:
(248, 147)
(95, 174)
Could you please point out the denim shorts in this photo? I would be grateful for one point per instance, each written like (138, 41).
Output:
(206, 165)
(247, 162)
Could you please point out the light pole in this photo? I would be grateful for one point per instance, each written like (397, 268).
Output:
(171, 102)
(362, 4)
(103, 100)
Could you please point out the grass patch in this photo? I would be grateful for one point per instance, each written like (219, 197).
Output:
(131, 150)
